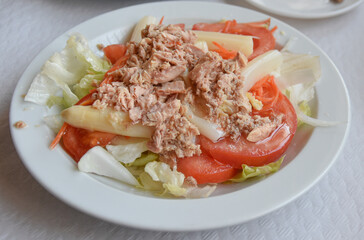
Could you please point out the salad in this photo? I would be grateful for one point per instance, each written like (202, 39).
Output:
(176, 111)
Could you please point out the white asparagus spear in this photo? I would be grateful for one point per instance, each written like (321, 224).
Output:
(147, 20)
(267, 63)
(106, 120)
(229, 41)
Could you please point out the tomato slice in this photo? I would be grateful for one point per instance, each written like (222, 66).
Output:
(263, 42)
(205, 169)
(181, 25)
(263, 152)
(114, 52)
(77, 141)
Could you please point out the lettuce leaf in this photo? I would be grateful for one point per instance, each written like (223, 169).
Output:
(86, 84)
(68, 75)
(97, 160)
(250, 172)
(127, 153)
(145, 158)
(305, 109)
(161, 179)
(161, 172)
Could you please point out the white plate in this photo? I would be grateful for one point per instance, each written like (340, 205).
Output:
(305, 8)
(308, 158)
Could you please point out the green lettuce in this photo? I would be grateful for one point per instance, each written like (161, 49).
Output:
(145, 158)
(251, 172)
(68, 75)
(86, 84)
(127, 153)
(306, 110)
(164, 181)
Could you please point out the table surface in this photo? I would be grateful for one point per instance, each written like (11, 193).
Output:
(332, 209)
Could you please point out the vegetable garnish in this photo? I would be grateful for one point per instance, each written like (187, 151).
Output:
(175, 111)
(224, 53)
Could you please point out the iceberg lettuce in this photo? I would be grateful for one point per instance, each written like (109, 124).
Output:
(127, 153)
(160, 178)
(250, 172)
(97, 160)
(145, 158)
(67, 76)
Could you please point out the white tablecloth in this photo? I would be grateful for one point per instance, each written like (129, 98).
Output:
(332, 209)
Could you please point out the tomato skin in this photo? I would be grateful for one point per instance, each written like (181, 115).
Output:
(114, 52)
(205, 169)
(262, 44)
(181, 25)
(77, 141)
(263, 152)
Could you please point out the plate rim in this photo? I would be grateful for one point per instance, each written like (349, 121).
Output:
(299, 15)
(173, 228)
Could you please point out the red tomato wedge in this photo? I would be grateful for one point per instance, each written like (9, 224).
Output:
(263, 41)
(205, 169)
(77, 141)
(262, 152)
(114, 52)
(181, 25)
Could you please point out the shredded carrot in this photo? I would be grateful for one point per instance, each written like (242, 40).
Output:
(85, 101)
(266, 91)
(161, 21)
(107, 80)
(58, 136)
(228, 25)
(118, 64)
(274, 29)
(223, 52)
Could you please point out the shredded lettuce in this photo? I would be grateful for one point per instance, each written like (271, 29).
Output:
(301, 111)
(305, 109)
(87, 83)
(250, 172)
(161, 172)
(145, 158)
(67, 76)
(161, 179)
(300, 72)
(127, 153)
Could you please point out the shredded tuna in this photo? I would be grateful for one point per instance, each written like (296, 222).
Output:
(172, 88)
(20, 124)
(217, 85)
(164, 74)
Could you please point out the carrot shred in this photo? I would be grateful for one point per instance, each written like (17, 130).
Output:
(226, 27)
(85, 101)
(58, 136)
(118, 64)
(266, 91)
(274, 29)
(223, 52)
(161, 21)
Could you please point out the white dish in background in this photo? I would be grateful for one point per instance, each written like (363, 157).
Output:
(306, 8)
(310, 155)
